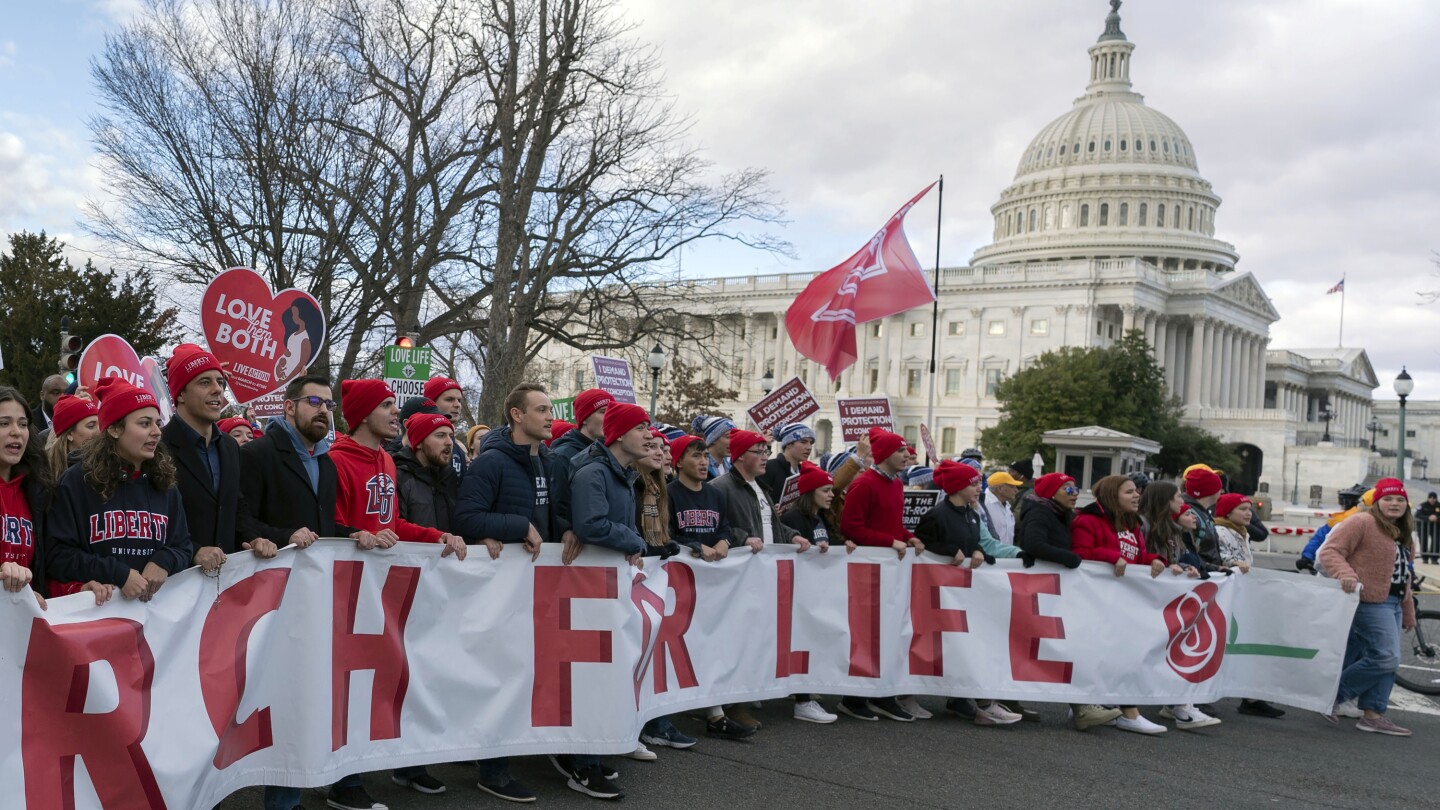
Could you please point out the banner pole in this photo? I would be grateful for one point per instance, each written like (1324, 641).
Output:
(935, 317)
(1341, 343)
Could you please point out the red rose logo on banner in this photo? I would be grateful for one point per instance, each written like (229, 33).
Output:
(263, 339)
(1197, 634)
(113, 356)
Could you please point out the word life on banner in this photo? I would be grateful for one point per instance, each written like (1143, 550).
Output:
(263, 339)
(859, 414)
(613, 375)
(407, 369)
(790, 402)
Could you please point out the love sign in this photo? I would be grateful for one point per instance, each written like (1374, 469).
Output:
(262, 339)
(113, 356)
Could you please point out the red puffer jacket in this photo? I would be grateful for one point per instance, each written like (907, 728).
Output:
(1093, 537)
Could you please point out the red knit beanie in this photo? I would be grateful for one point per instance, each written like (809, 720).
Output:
(1050, 483)
(952, 476)
(70, 411)
(620, 417)
(1228, 502)
(660, 434)
(436, 386)
(360, 398)
(589, 401)
(741, 441)
(680, 445)
(1184, 507)
(119, 399)
(229, 424)
(813, 478)
(1201, 483)
(558, 428)
(1389, 486)
(188, 362)
(884, 444)
(421, 425)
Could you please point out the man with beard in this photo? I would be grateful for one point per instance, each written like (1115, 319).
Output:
(796, 442)
(207, 460)
(289, 476)
(449, 399)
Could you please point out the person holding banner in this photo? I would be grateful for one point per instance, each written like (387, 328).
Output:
(1045, 519)
(1373, 551)
(26, 490)
(715, 430)
(952, 529)
(874, 515)
(796, 442)
(207, 460)
(118, 520)
(76, 421)
(807, 517)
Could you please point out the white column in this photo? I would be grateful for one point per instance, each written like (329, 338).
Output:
(885, 344)
(1227, 369)
(1159, 345)
(1245, 363)
(1127, 318)
(1198, 363)
(1149, 320)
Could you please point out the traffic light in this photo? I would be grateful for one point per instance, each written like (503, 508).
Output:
(70, 347)
(405, 342)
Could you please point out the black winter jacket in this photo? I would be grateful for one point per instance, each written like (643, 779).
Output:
(1044, 533)
(497, 496)
(1206, 539)
(276, 484)
(949, 530)
(426, 494)
(215, 518)
(772, 481)
(602, 501)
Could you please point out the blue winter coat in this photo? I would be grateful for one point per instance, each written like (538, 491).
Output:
(602, 501)
(497, 496)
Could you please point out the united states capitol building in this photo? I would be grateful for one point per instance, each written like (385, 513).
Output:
(1108, 226)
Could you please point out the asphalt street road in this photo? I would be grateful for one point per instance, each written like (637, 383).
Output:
(1297, 761)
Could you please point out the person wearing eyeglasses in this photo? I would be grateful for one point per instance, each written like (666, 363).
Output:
(1046, 514)
(207, 460)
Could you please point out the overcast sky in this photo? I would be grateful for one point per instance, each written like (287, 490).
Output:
(1316, 121)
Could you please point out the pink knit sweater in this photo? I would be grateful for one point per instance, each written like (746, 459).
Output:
(1358, 549)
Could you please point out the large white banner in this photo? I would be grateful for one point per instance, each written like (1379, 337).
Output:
(330, 661)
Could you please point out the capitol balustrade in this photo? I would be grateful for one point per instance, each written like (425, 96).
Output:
(1244, 414)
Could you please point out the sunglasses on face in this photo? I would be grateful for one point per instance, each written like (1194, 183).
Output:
(315, 402)
(1070, 490)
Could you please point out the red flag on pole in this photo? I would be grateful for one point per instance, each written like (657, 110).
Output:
(881, 279)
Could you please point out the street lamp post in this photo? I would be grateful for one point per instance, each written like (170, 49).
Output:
(657, 362)
(1374, 426)
(1327, 413)
(767, 383)
(1404, 384)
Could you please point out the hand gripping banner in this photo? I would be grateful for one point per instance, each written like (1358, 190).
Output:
(332, 660)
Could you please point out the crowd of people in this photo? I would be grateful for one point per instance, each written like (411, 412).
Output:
(100, 497)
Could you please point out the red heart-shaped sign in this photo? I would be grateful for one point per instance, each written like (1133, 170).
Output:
(113, 356)
(263, 339)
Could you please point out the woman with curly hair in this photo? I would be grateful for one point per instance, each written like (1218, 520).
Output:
(118, 521)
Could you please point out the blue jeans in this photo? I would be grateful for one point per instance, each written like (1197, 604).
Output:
(1372, 655)
(288, 798)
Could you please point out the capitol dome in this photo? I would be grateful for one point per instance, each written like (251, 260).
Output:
(1111, 178)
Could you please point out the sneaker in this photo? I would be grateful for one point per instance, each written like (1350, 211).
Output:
(642, 753)
(352, 798)
(857, 709)
(424, 783)
(1382, 725)
(671, 737)
(1190, 718)
(911, 705)
(1260, 708)
(964, 708)
(812, 712)
(592, 782)
(511, 791)
(1331, 718)
(1348, 709)
(1090, 715)
(995, 715)
(1014, 707)
(1139, 725)
(724, 728)
(889, 707)
(741, 715)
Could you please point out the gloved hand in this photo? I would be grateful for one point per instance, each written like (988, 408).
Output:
(1305, 564)
(669, 550)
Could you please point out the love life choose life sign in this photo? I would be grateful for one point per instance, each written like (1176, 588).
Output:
(263, 339)
(400, 657)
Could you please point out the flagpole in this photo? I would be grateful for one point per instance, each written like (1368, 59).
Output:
(1342, 312)
(935, 316)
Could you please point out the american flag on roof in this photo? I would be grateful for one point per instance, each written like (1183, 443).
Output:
(1339, 287)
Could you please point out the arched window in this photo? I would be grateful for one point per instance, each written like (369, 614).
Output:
(1190, 215)
(1062, 150)
(1048, 221)
(1177, 216)
(1092, 147)
(1076, 150)
(1019, 223)
(1050, 153)
(1104, 214)
(1124, 213)
(1107, 144)
(1032, 220)
(1166, 144)
(1139, 145)
(1009, 223)
(1084, 216)
(1065, 215)
(1144, 210)
(1160, 215)
(1123, 143)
